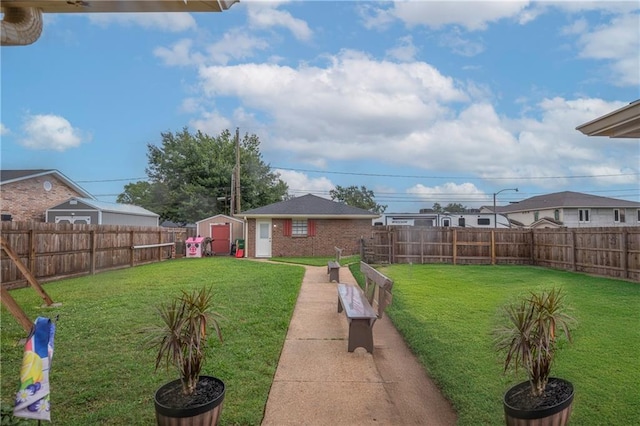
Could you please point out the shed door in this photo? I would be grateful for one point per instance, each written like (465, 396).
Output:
(83, 220)
(263, 238)
(220, 236)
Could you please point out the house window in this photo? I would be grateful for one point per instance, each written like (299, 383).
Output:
(583, 215)
(447, 223)
(536, 216)
(461, 222)
(556, 214)
(638, 214)
(299, 227)
(618, 216)
(484, 221)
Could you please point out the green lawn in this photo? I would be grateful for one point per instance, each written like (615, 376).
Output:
(446, 314)
(101, 375)
(100, 372)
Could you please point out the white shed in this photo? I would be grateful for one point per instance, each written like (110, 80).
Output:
(92, 212)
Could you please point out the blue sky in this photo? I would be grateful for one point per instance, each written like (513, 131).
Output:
(420, 101)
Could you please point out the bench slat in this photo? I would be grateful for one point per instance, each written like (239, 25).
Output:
(354, 302)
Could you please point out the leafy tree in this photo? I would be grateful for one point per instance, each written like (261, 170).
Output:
(449, 208)
(357, 197)
(188, 173)
(455, 208)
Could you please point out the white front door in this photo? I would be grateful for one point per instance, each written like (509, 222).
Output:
(263, 238)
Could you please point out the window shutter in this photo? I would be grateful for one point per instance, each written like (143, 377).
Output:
(286, 228)
(311, 228)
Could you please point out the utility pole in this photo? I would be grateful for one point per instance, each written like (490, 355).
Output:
(237, 170)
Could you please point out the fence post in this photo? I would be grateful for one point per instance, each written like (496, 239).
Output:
(574, 265)
(391, 246)
(532, 247)
(92, 252)
(32, 251)
(455, 247)
(132, 260)
(422, 231)
(623, 253)
(493, 247)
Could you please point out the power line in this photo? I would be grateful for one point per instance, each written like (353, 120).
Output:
(452, 177)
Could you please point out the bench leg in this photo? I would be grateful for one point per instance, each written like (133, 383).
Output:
(361, 334)
(334, 275)
(340, 308)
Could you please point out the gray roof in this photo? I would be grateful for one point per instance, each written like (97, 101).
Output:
(112, 207)
(566, 199)
(9, 176)
(309, 206)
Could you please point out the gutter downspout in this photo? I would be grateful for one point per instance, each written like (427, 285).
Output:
(246, 237)
(20, 26)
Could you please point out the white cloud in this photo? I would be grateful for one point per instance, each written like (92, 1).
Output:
(618, 43)
(234, 45)
(50, 132)
(410, 115)
(168, 22)
(212, 123)
(471, 15)
(265, 15)
(301, 184)
(460, 45)
(313, 108)
(472, 196)
(4, 130)
(405, 51)
(179, 54)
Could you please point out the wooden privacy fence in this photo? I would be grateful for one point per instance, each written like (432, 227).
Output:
(611, 252)
(53, 251)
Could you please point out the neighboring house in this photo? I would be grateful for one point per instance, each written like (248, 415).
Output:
(92, 212)
(26, 194)
(463, 220)
(223, 231)
(305, 226)
(572, 210)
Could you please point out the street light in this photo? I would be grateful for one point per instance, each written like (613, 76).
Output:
(495, 215)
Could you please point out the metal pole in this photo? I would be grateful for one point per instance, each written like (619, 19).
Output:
(495, 214)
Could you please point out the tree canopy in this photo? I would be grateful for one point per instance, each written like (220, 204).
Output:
(357, 197)
(190, 177)
(449, 208)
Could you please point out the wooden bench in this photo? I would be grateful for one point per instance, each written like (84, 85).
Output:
(333, 267)
(363, 307)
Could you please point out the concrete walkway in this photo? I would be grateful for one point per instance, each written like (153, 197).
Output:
(318, 382)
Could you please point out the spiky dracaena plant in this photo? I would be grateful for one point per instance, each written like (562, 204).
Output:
(529, 337)
(181, 340)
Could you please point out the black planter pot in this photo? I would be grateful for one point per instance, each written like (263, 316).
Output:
(553, 414)
(203, 413)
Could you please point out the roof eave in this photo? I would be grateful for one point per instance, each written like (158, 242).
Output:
(621, 123)
(102, 6)
(307, 216)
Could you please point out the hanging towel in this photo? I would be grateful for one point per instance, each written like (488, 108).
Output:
(32, 398)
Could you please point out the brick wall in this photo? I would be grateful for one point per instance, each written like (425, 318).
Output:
(27, 200)
(330, 233)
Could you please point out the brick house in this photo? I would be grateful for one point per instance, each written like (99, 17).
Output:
(305, 226)
(27, 194)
